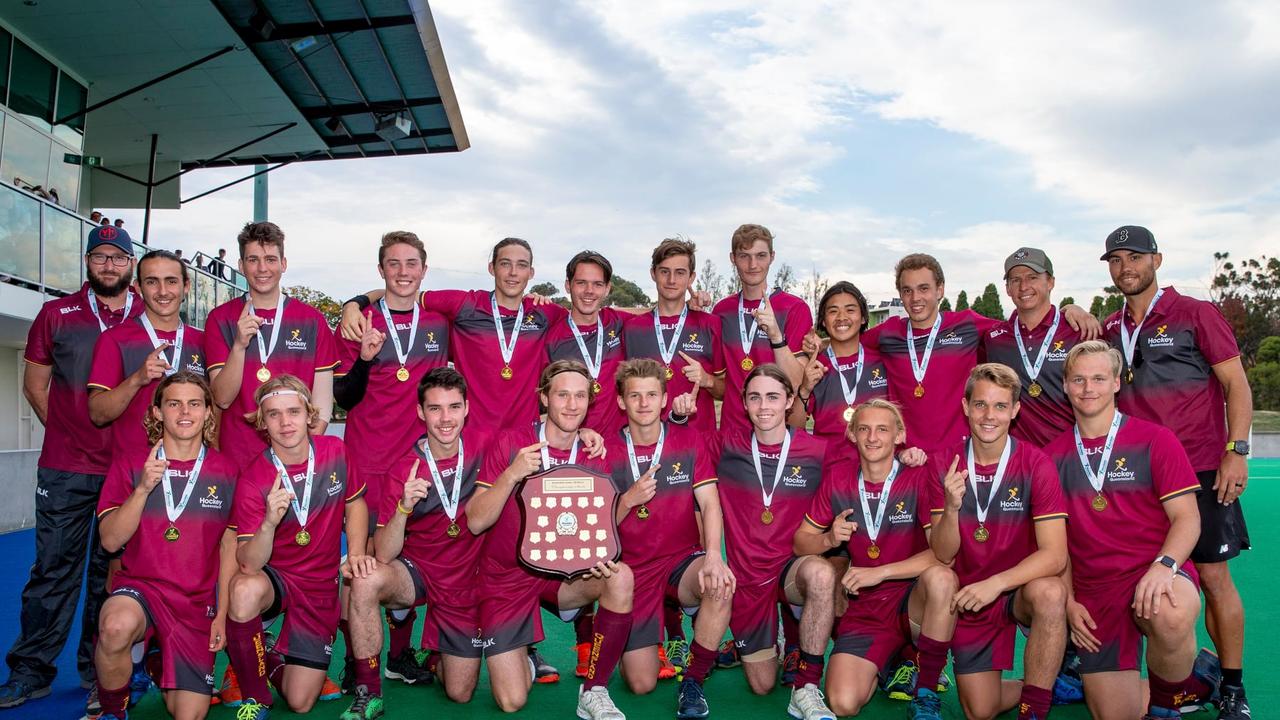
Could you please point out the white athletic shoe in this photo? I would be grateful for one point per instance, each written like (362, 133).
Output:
(595, 704)
(808, 703)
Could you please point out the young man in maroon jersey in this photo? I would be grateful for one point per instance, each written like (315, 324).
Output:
(169, 508)
(671, 529)
(374, 385)
(130, 359)
(898, 593)
(1000, 521)
(684, 340)
(1130, 491)
(293, 503)
(510, 619)
(252, 338)
(73, 464)
(1182, 370)
(424, 549)
(768, 476)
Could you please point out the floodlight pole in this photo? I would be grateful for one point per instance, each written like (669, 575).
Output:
(260, 193)
(151, 188)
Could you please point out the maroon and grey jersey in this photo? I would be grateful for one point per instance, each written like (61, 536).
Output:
(757, 550)
(1029, 493)
(186, 567)
(827, 404)
(1044, 417)
(304, 348)
(62, 337)
(935, 419)
(1182, 338)
(1116, 545)
(119, 353)
(604, 416)
(699, 339)
(795, 320)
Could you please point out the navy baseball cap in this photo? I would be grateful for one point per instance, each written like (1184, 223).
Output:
(1133, 238)
(109, 235)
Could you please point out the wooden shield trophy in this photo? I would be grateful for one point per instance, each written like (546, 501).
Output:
(567, 521)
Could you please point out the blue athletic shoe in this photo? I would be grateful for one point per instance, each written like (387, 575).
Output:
(728, 656)
(900, 683)
(1156, 713)
(139, 682)
(15, 692)
(926, 706)
(251, 709)
(691, 702)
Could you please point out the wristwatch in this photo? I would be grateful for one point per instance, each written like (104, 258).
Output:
(1168, 562)
(1239, 447)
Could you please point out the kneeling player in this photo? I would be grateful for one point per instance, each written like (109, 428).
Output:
(179, 549)
(425, 551)
(509, 616)
(1131, 493)
(292, 504)
(898, 591)
(999, 516)
(768, 476)
(667, 477)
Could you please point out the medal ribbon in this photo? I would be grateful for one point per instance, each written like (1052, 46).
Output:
(873, 525)
(668, 353)
(1033, 370)
(1130, 342)
(593, 365)
(401, 354)
(301, 510)
(920, 366)
(631, 451)
(767, 495)
(508, 348)
(157, 342)
(93, 308)
(450, 502)
(546, 449)
(265, 350)
(995, 481)
(175, 511)
(850, 393)
(1097, 479)
(747, 337)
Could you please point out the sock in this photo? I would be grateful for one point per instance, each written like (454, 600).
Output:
(582, 627)
(345, 629)
(248, 657)
(701, 660)
(114, 702)
(931, 657)
(275, 668)
(1233, 677)
(809, 671)
(673, 621)
(1035, 702)
(1168, 695)
(369, 674)
(790, 629)
(401, 633)
(608, 641)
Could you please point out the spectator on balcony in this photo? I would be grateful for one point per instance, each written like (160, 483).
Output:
(119, 222)
(95, 217)
(183, 259)
(218, 266)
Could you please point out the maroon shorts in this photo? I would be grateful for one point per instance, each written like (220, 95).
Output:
(180, 629)
(311, 611)
(754, 618)
(509, 608)
(1119, 639)
(876, 624)
(452, 622)
(984, 640)
(656, 584)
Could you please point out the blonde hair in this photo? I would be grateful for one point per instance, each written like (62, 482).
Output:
(639, 368)
(281, 384)
(747, 235)
(1001, 376)
(879, 404)
(155, 426)
(1093, 347)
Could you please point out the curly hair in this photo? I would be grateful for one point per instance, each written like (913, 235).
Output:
(155, 425)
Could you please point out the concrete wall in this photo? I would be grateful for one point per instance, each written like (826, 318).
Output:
(1265, 445)
(18, 487)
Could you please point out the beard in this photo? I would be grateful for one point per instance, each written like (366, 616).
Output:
(105, 289)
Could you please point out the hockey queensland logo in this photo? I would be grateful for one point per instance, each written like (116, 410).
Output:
(1012, 500)
(1119, 470)
(691, 344)
(901, 515)
(1160, 337)
(295, 341)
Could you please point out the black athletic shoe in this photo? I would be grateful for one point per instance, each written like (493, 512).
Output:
(691, 702)
(347, 680)
(1232, 704)
(409, 667)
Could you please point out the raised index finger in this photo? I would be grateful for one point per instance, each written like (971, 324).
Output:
(155, 450)
(413, 471)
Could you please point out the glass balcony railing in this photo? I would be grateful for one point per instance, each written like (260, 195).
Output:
(42, 248)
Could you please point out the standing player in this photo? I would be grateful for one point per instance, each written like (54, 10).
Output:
(592, 335)
(374, 386)
(169, 508)
(509, 616)
(768, 476)
(684, 340)
(293, 502)
(1130, 492)
(999, 520)
(71, 469)
(1182, 370)
(756, 326)
(899, 594)
(130, 359)
(288, 337)
(1034, 341)
(425, 551)
(671, 529)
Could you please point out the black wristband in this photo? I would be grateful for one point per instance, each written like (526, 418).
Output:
(361, 301)
(780, 344)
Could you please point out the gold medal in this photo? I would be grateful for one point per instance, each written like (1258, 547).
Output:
(981, 534)
(507, 373)
(873, 551)
(263, 374)
(670, 373)
(766, 517)
(1099, 502)
(642, 512)
(848, 415)
(402, 374)
(171, 534)
(596, 389)
(303, 538)
(1035, 390)
(1129, 376)
(919, 391)
(747, 363)
(453, 531)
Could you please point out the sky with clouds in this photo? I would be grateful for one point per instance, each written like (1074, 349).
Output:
(856, 131)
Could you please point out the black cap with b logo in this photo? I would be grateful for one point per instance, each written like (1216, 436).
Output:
(1133, 238)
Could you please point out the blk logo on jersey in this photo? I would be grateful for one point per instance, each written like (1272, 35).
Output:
(71, 309)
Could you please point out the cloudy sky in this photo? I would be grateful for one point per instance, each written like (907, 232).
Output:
(856, 131)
